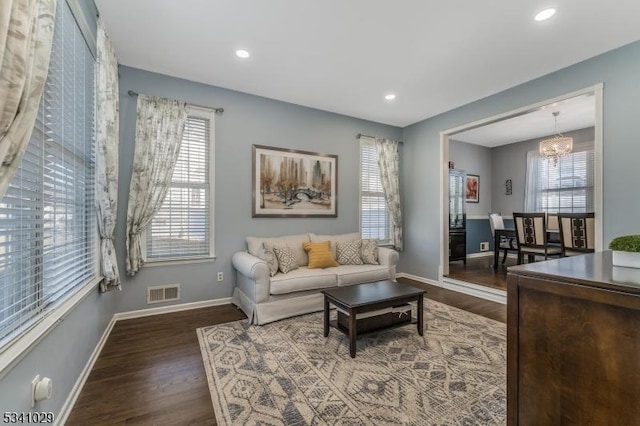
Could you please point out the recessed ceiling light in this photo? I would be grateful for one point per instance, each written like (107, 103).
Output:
(543, 15)
(241, 53)
(390, 97)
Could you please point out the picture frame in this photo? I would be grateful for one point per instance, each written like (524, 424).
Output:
(293, 183)
(508, 187)
(472, 189)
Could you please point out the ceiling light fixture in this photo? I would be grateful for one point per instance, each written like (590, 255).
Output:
(241, 53)
(556, 146)
(543, 15)
(390, 97)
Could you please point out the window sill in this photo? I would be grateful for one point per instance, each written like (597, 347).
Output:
(170, 262)
(21, 347)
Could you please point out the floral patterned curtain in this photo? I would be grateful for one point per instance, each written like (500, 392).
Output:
(389, 165)
(26, 35)
(107, 140)
(159, 128)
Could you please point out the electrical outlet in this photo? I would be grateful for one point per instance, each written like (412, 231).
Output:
(34, 382)
(220, 276)
(484, 246)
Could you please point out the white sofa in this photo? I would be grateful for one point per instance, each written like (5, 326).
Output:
(265, 299)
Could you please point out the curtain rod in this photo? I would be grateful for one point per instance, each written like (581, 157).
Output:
(359, 135)
(218, 111)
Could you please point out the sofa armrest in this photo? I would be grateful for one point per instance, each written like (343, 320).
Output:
(387, 256)
(252, 276)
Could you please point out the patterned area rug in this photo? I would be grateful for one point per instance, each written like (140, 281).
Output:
(287, 373)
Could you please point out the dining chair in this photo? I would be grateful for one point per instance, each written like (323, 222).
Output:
(577, 233)
(505, 243)
(531, 231)
(553, 228)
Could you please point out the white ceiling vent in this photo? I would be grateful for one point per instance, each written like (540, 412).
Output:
(163, 293)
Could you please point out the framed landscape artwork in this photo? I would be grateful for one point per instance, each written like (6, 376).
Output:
(291, 183)
(473, 189)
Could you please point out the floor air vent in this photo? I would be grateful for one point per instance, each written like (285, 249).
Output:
(163, 293)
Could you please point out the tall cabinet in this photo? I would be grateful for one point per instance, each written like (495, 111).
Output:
(457, 216)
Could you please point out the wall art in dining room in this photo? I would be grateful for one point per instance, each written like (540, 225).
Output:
(473, 189)
(292, 183)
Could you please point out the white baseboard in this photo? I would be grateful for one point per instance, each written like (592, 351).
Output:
(480, 254)
(84, 375)
(171, 308)
(510, 255)
(483, 292)
(418, 278)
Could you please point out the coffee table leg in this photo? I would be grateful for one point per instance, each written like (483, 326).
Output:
(326, 316)
(353, 329)
(420, 315)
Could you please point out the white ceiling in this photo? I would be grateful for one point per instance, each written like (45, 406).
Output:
(344, 56)
(575, 113)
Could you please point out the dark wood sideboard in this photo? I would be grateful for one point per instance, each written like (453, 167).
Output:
(573, 343)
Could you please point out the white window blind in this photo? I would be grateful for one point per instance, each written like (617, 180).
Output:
(182, 228)
(565, 187)
(375, 221)
(47, 216)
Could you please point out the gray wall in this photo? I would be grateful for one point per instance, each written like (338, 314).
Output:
(510, 163)
(63, 353)
(247, 120)
(478, 231)
(475, 160)
(61, 356)
(618, 70)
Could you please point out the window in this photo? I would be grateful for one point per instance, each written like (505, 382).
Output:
(182, 228)
(375, 220)
(47, 216)
(565, 187)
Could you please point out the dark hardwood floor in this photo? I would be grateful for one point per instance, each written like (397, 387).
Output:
(486, 308)
(150, 370)
(479, 270)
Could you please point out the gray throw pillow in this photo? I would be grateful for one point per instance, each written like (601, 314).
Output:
(286, 261)
(370, 252)
(348, 252)
(271, 259)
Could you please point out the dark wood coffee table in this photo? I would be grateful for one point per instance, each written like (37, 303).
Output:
(378, 296)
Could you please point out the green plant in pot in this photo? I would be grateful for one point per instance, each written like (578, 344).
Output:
(626, 251)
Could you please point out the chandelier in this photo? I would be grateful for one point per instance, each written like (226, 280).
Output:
(556, 146)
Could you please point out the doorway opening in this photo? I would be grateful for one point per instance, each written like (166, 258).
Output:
(492, 152)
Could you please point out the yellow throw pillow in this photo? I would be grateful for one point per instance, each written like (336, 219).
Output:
(319, 255)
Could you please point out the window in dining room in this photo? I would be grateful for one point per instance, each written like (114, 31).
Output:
(563, 187)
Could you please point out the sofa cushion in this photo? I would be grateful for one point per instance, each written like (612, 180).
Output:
(334, 240)
(272, 260)
(319, 255)
(255, 246)
(356, 274)
(370, 252)
(348, 252)
(286, 261)
(303, 279)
